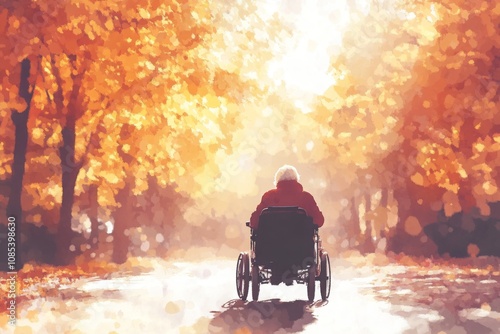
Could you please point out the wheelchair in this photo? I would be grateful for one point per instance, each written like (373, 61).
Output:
(285, 248)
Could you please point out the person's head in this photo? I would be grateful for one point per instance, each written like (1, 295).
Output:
(286, 172)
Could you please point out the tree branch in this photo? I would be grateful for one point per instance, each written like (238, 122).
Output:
(58, 94)
(44, 82)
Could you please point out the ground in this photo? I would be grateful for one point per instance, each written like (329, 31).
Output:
(369, 295)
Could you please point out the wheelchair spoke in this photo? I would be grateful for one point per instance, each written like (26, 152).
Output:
(242, 272)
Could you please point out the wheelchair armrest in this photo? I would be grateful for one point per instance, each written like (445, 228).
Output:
(252, 231)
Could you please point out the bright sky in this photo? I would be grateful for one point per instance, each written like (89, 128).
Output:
(318, 26)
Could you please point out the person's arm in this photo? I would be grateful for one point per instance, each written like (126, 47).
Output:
(254, 219)
(313, 210)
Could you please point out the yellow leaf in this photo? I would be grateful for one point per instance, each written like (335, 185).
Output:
(144, 13)
(490, 187)
(390, 101)
(149, 65)
(418, 179)
(212, 101)
(109, 24)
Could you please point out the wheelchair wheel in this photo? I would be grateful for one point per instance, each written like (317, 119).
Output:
(311, 283)
(325, 277)
(242, 276)
(255, 282)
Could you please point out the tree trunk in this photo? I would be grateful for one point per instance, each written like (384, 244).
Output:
(93, 215)
(367, 245)
(384, 199)
(69, 167)
(395, 236)
(354, 230)
(20, 120)
(399, 239)
(122, 217)
(380, 222)
(70, 170)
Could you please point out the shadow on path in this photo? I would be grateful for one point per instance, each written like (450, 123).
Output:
(265, 316)
(451, 300)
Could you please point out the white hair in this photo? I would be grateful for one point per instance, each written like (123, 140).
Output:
(286, 172)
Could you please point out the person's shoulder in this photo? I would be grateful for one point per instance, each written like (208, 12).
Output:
(307, 195)
(269, 193)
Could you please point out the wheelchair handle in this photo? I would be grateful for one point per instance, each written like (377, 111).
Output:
(316, 228)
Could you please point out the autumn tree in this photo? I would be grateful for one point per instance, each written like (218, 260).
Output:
(148, 69)
(358, 118)
(450, 126)
(20, 66)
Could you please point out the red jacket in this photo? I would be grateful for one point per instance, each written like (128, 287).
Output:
(288, 193)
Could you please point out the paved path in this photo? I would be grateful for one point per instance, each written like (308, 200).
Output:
(187, 297)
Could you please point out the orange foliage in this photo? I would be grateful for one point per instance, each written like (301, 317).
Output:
(181, 92)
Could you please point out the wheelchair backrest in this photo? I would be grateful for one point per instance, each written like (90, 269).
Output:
(284, 236)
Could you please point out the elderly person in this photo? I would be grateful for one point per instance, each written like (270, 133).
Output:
(288, 192)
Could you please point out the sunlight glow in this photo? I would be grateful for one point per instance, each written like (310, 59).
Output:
(317, 32)
(266, 112)
(303, 106)
(310, 145)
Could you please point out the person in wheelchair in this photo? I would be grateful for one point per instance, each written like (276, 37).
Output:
(288, 192)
